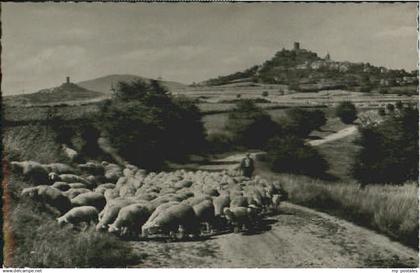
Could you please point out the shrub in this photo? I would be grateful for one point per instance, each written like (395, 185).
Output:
(148, 126)
(346, 111)
(302, 122)
(399, 105)
(381, 111)
(219, 143)
(389, 152)
(264, 94)
(390, 107)
(250, 126)
(290, 154)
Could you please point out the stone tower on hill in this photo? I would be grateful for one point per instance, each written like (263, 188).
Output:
(296, 46)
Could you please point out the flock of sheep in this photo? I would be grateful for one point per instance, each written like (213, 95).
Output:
(130, 202)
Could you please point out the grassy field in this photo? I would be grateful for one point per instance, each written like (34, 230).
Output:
(392, 210)
(340, 156)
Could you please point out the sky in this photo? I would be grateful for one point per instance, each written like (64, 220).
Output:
(191, 42)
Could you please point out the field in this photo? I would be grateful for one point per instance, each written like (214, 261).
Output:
(390, 210)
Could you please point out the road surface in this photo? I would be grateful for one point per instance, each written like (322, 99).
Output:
(232, 161)
(296, 237)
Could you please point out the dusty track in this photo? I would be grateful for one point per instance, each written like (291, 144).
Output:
(297, 237)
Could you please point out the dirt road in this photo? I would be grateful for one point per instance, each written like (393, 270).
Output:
(297, 237)
(335, 136)
(232, 161)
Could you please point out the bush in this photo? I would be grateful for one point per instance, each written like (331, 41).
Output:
(399, 105)
(250, 126)
(389, 152)
(219, 143)
(381, 111)
(148, 126)
(390, 107)
(264, 94)
(346, 111)
(302, 122)
(290, 154)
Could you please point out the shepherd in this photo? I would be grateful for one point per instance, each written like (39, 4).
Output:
(247, 166)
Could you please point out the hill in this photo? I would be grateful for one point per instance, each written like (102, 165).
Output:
(303, 70)
(104, 84)
(85, 91)
(64, 93)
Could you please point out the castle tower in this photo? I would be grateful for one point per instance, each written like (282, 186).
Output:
(328, 57)
(67, 79)
(296, 46)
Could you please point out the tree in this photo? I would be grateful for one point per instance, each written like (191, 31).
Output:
(264, 94)
(346, 111)
(390, 107)
(290, 154)
(399, 105)
(250, 126)
(381, 111)
(389, 151)
(302, 122)
(148, 126)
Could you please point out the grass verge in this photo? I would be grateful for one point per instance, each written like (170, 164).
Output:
(391, 210)
(34, 239)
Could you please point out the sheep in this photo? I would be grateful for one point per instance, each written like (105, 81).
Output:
(95, 180)
(211, 191)
(238, 201)
(93, 168)
(275, 201)
(110, 194)
(70, 153)
(103, 187)
(219, 203)
(196, 200)
(110, 212)
(72, 193)
(31, 170)
(177, 220)
(77, 186)
(130, 219)
(78, 215)
(146, 196)
(112, 172)
(205, 213)
(94, 199)
(240, 217)
(127, 190)
(48, 196)
(69, 178)
(59, 168)
(62, 186)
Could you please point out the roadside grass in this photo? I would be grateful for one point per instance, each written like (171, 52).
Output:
(391, 210)
(36, 240)
(31, 142)
(340, 155)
